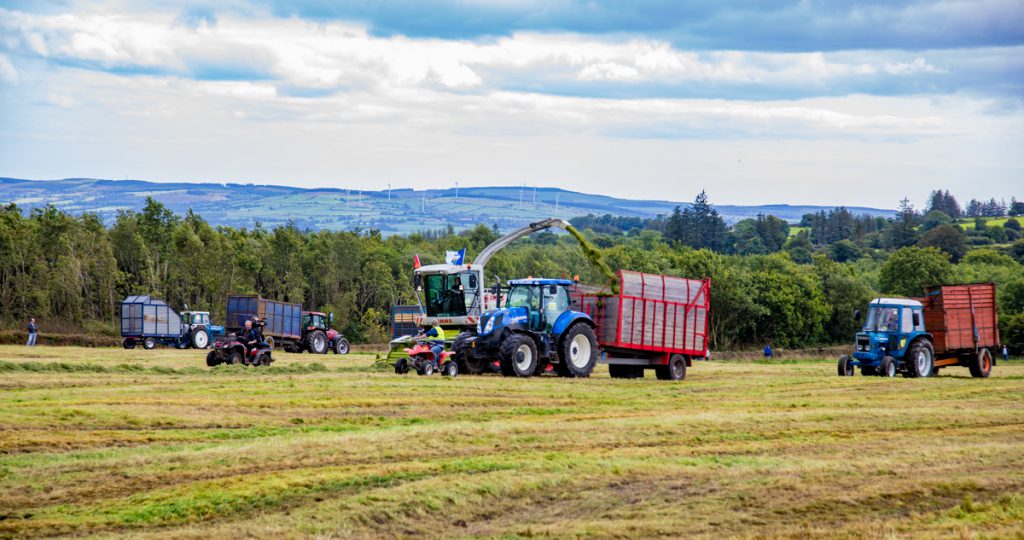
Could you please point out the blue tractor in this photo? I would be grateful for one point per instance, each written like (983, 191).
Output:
(892, 341)
(537, 328)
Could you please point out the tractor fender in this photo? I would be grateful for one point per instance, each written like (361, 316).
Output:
(914, 338)
(569, 318)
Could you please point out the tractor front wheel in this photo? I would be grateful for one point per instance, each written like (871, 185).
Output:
(341, 346)
(888, 367)
(518, 356)
(450, 369)
(466, 361)
(845, 366)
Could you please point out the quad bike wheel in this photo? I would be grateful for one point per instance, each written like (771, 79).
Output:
(235, 357)
(450, 369)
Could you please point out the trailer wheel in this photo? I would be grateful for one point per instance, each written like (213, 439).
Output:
(235, 357)
(920, 358)
(128, 344)
(888, 367)
(213, 358)
(148, 343)
(316, 342)
(579, 351)
(674, 371)
(200, 338)
(518, 356)
(341, 346)
(618, 371)
(845, 366)
(982, 365)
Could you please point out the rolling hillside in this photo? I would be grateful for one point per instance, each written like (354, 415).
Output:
(398, 212)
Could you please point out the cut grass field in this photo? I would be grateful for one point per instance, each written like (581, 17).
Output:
(107, 442)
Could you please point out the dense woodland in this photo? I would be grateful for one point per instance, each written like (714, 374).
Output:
(771, 282)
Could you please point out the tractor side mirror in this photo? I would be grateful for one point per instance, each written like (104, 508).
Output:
(417, 282)
(856, 315)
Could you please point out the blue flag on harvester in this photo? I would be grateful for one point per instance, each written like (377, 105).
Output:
(455, 257)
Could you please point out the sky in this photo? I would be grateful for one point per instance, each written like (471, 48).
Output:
(800, 102)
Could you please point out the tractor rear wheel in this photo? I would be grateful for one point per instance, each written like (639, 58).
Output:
(845, 366)
(674, 371)
(200, 338)
(920, 358)
(316, 342)
(888, 367)
(578, 354)
(981, 366)
(148, 343)
(518, 356)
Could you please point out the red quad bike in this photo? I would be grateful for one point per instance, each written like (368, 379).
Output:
(233, 351)
(421, 358)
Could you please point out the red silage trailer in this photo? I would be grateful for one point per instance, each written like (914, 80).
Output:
(654, 322)
(964, 325)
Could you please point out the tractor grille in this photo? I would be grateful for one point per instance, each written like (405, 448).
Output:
(863, 343)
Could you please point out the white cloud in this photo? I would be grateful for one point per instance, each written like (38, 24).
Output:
(8, 74)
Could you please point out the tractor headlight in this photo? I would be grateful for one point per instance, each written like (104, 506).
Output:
(489, 327)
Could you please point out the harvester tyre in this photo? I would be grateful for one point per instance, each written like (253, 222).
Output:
(888, 367)
(920, 358)
(845, 367)
(200, 339)
(578, 353)
(316, 342)
(518, 356)
(402, 366)
(674, 371)
(981, 366)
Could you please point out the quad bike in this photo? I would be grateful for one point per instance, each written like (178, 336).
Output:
(234, 351)
(422, 359)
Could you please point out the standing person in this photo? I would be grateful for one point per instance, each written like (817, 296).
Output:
(1006, 353)
(768, 350)
(33, 332)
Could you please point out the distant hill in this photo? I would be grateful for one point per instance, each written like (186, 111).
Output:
(400, 212)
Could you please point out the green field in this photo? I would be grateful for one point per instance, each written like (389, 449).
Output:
(106, 442)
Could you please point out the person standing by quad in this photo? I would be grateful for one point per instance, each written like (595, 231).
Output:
(1006, 353)
(33, 332)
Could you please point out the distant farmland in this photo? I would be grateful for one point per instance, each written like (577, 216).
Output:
(401, 211)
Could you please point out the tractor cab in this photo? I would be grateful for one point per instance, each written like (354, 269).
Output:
(315, 320)
(890, 325)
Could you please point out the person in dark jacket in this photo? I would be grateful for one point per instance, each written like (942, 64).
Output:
(33, 332)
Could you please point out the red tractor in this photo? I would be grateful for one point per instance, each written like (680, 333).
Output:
(317, 337)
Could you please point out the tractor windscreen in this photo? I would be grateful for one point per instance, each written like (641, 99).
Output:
(446, 294)
(882, 319)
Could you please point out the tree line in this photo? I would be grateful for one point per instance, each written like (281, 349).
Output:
(769, 286)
